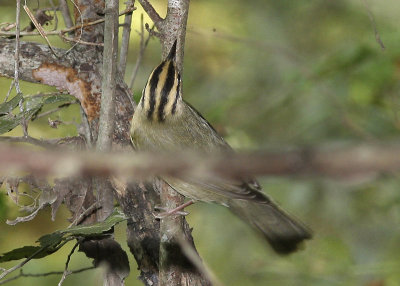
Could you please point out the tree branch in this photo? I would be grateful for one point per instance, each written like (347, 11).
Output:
(347, 162)
(174, 28)
(68, 29)
(17, 47)
(107, 110)
(154, 16)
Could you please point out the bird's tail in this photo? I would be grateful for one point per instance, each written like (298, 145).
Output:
(282, 232)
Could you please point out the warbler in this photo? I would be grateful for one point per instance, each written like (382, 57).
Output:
(164, 122)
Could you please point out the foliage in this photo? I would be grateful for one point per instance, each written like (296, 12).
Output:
(50, 243)
(31, 106)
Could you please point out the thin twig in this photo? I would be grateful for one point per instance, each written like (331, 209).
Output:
(9, 90)
(22, 274)
(126, 11)
(143, 45)
(16, 67)
(80, 27)
(24, 124)
(66, 272)
(55, 109)
(373, 23)
(39, 28)
(67, 30)
(125, 40)
(194, 257)
(84, 214)
(27, 34)
(8, 26)
(78, 41)
(17, 47)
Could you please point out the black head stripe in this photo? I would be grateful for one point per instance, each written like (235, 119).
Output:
(176, 94)
(166, 91)
(153, 81)
(172, 52)
(144, 94)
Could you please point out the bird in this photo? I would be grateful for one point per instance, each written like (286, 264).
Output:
(164, 122)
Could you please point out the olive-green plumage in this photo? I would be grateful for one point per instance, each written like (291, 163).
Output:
(163, 122)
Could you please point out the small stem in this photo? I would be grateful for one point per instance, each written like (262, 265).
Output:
(66, 272)
(54, 109)
(9, 90)
(125, 40)
(66, 14)
(68, 30)
(17, 47)
(143, 45)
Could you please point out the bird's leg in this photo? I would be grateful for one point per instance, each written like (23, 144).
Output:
(175, 211)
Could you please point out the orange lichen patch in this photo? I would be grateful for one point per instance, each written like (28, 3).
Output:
(100, 3)
(66, 78)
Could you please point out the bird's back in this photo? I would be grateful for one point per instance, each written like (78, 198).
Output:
(188, 131)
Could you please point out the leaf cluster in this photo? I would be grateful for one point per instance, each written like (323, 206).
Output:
(50, 243)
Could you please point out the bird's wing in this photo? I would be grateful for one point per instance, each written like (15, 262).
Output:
(250, 191)
(246, 189)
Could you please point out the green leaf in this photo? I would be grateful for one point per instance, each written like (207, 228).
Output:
(97, 228)
(51, 239)
(57, 98)
(8, 123)
(32, 105)
(50, 243)
(8, 106)
(25, 252)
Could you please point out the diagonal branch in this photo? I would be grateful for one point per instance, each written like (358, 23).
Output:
(142, 48)
(154, 16)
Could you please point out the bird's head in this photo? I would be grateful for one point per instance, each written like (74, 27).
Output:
(160, 97)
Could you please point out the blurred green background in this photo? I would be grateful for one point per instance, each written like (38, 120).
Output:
(269, 74)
